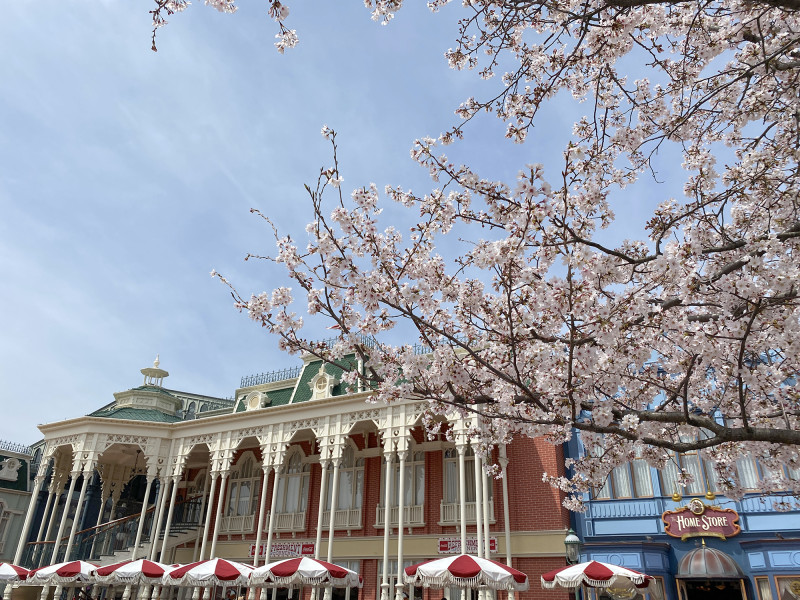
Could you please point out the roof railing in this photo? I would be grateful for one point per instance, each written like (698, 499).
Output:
(15, 447)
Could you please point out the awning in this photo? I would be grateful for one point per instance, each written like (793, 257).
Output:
(708, 563)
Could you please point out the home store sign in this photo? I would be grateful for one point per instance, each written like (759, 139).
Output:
(697, 519)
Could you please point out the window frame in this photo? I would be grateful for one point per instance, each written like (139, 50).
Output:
(235, 482)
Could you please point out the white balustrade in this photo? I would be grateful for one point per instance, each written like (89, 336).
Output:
(347, 518)
(450, 513)
(413, 516)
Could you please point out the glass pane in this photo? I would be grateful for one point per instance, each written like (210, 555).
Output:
(691, 463)
(304, 494)
(642, 480)
(232, 499)
(359, 488)
(605, 491)
(345, 499)
(748, 473)
(764, 590)
(622, 482)
(669, 478)
(419, 485)
(788, 587)
(408, 482)
(244, 498)
(292, 493)
(450, 482)
(280, 505)
(470, 479)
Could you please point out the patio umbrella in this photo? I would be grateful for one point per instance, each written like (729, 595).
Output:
(74, 571)
(205, 573)
(304, 571)
(595, 574)
(131, 572)
(11, 573)
(466, 571)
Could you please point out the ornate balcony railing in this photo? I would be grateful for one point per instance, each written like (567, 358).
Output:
(450, 512)
(413, 516)
(237, 524)
(290, 521)
(346, 518)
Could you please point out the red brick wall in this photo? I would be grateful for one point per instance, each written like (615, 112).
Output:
(534, 505)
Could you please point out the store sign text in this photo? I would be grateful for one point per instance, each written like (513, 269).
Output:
(452, 545)
(697, 519)
(285, 549)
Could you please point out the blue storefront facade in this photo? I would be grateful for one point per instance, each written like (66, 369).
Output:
(626, 524)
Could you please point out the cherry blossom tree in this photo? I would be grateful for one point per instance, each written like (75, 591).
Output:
(683, 338)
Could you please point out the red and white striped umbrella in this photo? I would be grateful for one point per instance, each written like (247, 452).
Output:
(304, 571)
(595, 574)
(216, 571)
(466, 571)
(131, 572)
(10, 573)
(74, 571)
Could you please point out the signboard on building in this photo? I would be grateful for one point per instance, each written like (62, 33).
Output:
(452, 545)
(285, 549)
(697, 519)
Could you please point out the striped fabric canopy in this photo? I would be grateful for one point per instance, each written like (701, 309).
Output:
(74, 571)
(304, 571)
(216, 571)
(594, 574)
(132, 572)
(10, 573)
(466, 571)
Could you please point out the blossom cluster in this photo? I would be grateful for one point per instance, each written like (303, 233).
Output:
(684, 337)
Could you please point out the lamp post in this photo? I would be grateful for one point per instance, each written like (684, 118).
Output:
(572, 551)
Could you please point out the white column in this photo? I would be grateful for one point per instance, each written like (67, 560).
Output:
(262, 508)
(401, 487)
(87, 475)
(37, 485)
(203, 503)
(462, 495)
(158, 517)
(485, 483)
(63, 524)
(207, 526)
(103, 500)
(45, 516)
(218, 516)
(175, 480)
(278, 470)
(478, 503)
(387, 516)
(323, 485)
(506, 513)
(334, 497)
(142, 517)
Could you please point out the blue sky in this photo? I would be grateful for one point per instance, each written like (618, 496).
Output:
(126, 176)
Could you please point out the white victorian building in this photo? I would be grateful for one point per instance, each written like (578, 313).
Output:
(294, 465)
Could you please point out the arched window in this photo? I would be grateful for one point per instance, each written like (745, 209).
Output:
(191, 411)
(242, 488)
(292, 492)
(351, 481)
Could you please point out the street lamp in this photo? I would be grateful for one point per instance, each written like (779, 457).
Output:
(572, 548)
(572, 544)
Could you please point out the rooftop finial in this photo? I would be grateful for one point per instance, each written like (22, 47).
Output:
(154, 375)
